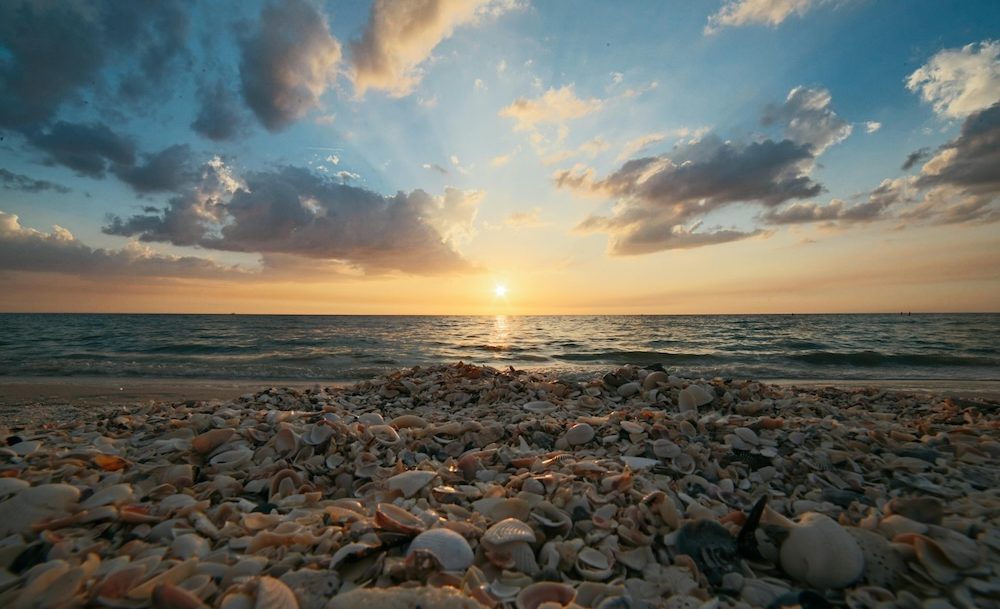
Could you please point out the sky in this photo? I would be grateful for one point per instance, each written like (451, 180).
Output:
(499, 156)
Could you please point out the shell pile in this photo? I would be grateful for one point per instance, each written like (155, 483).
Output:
(466, 486)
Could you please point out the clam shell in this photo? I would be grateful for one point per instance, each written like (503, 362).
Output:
(231, 459)
(210, 440)
(580, 433)
(286, 441)
(169, 596)
(317, 434)
(540, 407)
(507, 531)
(629, 389)
(114, 494)
(410, 482)
(500, 508)
(665, 449)
(408, 421)
(683, 463)
(654, 379)
(539, 593)
(394, 518)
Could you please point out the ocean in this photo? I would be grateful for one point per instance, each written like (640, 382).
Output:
(343, 348)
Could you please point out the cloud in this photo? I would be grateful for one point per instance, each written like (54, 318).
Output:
(808, 119)
(590, 148)
(958, 184)
(970, 161)
(554, 106)
(287, 63)
(165, 171)
(915, 157)
(872, 126)
(735, 13)
(85, 148)
(525, 219)
(219, 114)
(888, 193)
(26, 249)
(662, 201)
(641, 143)
(54, 50)
(401, 34)
(957, 82)
(436, 167)
(294, 212)
(16, 181)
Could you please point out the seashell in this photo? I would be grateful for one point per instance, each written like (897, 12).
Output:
(407, 421)
(636, 558)
(928, 510)
(580, 433)
(551, 517)
(522, 557)
(762, 592)
(507, 531)
(821, 553)
(683, 463)
(394, 518)
(629, 389)
(190, 545)
(654, 379)
(110, 463)
(450, 549)
(384, 434)
(286, 441)
(540, 407)
(169, 596)
(12, 486)
(711, 546)
(274, 594)
(210, 440)
(317, 434)
(410, 482)
(869, 597)
(500, 508)
(114, 494)
(593, 565)
(283, 484)
(404, 598)
(312, 587)
(25, 448)
(637, 463)
(231, 459)
(371, 418)
(545, 593)
(237, 600)
(36, 504)
(665, 449)
(894, 525)
(632, 427)
(173, 575)
(883, 563)
(747, 435)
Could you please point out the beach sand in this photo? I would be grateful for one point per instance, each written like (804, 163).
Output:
(470, 487)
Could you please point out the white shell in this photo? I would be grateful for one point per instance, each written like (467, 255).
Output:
(507, 531)
(450, 548)
(274, 594)
(821, 553)
(581, 433)
(410, 482)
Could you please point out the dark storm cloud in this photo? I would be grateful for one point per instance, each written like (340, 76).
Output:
(658, 197)
(25, 249)
(970, 162)
(54, 50)
(915, 157)
(876, 207)
(292, 211)
(84, 148)
(219, 114)
(165, 171)
(16, 181)
(287, 63)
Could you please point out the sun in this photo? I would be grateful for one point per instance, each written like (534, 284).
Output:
(500, 290)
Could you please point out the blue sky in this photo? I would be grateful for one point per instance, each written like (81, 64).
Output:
(409, 141)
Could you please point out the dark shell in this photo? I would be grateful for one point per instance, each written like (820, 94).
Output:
(711, 546)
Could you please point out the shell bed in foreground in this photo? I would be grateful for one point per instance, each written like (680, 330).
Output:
(465, 486)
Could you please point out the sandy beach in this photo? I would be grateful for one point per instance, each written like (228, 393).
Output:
(464, 486)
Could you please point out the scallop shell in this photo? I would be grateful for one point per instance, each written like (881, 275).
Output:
(539, 593)
(580, 433)
(450, 549)
(410, 482)
(507, 531)
(274, 594)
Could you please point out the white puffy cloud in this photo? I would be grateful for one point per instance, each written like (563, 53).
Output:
(553, 106)
(957, 82)
(809, 119)
(736, 13)
(401, 34)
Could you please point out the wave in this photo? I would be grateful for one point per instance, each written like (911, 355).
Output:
(871, 359)
(636, 357)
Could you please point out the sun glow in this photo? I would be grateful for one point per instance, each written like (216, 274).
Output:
(500, 290)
